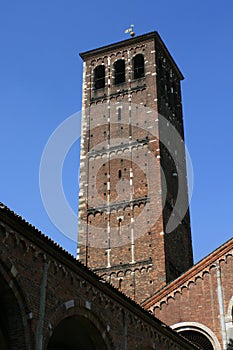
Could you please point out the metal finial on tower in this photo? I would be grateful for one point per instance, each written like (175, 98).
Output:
(130, 30)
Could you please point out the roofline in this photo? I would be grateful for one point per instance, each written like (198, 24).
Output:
(31, 233)
(152, 35)
(194, 270)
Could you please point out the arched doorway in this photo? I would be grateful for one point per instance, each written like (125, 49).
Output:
(76, 332)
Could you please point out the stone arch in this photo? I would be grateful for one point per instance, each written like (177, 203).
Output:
(14, 330)
(199, 334)
(79, 329)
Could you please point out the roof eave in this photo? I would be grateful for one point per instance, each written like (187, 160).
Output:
(152, 35)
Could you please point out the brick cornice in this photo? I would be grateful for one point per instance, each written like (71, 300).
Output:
(129, 42)
(200, 267)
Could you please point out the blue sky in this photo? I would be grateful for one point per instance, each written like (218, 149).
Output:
(40, 86)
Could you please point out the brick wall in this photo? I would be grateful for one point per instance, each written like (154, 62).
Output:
(202, 298)
(51, 301)
(122, 223)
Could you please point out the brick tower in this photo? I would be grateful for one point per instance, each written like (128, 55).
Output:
(134, 225)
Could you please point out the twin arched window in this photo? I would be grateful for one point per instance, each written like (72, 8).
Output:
(119, 71)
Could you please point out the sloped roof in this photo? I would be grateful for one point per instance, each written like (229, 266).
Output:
(30, 232)
(195, 270)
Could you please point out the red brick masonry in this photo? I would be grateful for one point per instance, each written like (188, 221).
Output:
(41, 285)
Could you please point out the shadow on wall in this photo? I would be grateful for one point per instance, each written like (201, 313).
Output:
(76, 332)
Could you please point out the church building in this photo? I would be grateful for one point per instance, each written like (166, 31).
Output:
(134, 223)
(133, 284)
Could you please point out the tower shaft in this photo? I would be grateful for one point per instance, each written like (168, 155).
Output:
(134, 225)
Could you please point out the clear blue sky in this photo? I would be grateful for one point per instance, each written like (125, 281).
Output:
(40, 86)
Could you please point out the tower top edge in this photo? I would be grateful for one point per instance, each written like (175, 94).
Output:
(131, 41)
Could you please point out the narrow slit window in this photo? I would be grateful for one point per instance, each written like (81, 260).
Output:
(119, 72)
(99, 77)
(119, 113)
(119, 174)
(120, 226)
(138, 66)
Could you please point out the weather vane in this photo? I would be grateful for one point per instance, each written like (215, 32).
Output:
(130, 30)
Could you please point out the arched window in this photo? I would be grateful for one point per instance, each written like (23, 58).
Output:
(198, 334)
(119, 72)
(99, 77)
(198, 339)
(138, 66)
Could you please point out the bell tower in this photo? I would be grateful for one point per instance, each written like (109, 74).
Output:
(134, 223)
